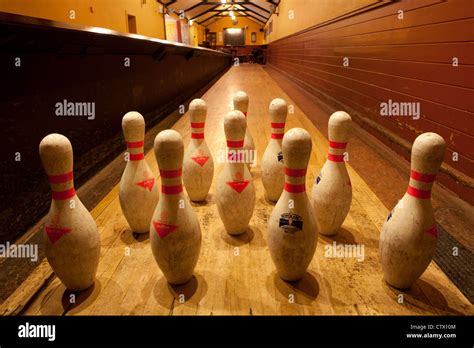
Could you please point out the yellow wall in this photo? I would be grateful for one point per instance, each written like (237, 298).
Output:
(196, 34)
(111, 14)
(226, 22)
(307, 13)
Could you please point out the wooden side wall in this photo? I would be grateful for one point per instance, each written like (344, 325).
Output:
(60, 62)
(402, 60)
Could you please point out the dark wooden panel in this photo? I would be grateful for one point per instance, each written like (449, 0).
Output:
(456, 31)
(384, 88)
(427, 53)
(79, 65)
(397, 125)
(407, 60)
(436, 72)
(416, 15)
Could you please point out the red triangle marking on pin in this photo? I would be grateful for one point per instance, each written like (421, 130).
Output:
(55, 233)
(201, 160)
(147, 184)
(238, 186)
(433, 231)
(163, 229)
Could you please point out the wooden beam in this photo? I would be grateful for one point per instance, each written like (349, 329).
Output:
(217, 14)
(259, 7)
(197, 5)
(249, 15)
(203, 13)
(258, 14)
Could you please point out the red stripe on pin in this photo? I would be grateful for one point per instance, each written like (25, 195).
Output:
(417, 193)
(136, 156)
(170, 174)
(245, 114)
(294, 188)
(277, 124)
(335, 158)
(277, 135)
(235, 143)
(62, 195)
(197, 124)
(171, 189)
(295, 172)
(337, 145)
(61, 178)
(422, 177)
(134, 144)
(197, 135)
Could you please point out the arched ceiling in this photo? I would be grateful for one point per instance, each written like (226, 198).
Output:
(207, 12)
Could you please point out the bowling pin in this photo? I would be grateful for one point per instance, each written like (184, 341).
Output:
(72, 241)
(241, 103)
(408, 237)
(175, 234)
(235, 191)
(198, 166)
(332, 190)
(138, 193)
(292, 232)
(273, 174)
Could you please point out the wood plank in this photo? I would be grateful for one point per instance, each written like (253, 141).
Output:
(245, 283)
(443, 73)
(458, 97)
(415, 15)
(367, 98)
(346, 96)
(433, 53)
(451, 31)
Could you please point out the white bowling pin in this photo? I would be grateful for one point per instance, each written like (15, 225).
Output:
(408, 237)
(332, 190)
(273, 174)
(138, 190)
(235, 191)
(175, 233)
(292, 232)
(70, 234)
(198, 166)
(241, 103)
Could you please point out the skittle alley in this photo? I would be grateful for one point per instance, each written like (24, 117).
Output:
(238, 158)
(235, 275)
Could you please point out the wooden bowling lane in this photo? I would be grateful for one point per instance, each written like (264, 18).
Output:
(235, 275)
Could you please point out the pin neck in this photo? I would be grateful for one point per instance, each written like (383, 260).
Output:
(336, 151)
(278, 130)
(420, 185)
(62, 186)
(197, 131)
(295, 180)
(135, 150)
(171, 182)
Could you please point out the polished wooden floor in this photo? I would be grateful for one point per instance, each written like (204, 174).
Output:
(235, 276)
